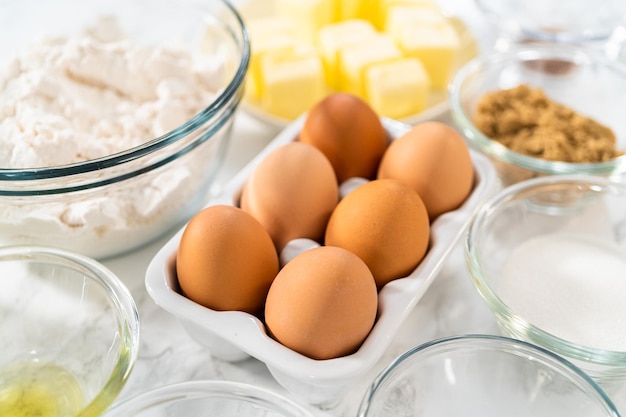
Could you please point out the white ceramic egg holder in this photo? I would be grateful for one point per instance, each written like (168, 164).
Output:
(235, 335)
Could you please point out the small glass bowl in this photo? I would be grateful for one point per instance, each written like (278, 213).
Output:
(208, 399)
(528, 255)
(69, 336)
(552, 20)
(108, 206)
(578, 78)
(481, 375)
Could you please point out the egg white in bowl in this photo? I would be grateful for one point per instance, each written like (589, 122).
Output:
(235, 335)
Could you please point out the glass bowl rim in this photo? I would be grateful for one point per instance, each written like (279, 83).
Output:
(120, 158)
(118, 294)
(588, 35)
(206, 389)
(586, 354)
(523, 53)
(492, 342)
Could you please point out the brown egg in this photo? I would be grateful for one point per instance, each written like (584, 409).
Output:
(385, 223)
(434, 160)
(349, 133)
(322, 304)
(292, 193)
(226, 260)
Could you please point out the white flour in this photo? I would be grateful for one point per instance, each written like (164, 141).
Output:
(571, 286)
(75, 99)
(67, 100)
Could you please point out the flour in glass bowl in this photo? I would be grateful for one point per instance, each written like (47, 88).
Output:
(571, 286)
(73, 99)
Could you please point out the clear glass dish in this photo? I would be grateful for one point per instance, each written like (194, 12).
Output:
(580, 79)
(109, 205)
(69, 336)
(554, 224)
(552, 20)
(481, 375)
(209, 399)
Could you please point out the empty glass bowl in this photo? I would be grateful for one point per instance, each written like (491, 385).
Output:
(69, 335)
(553, 20)
(208, 399)
(487, 376)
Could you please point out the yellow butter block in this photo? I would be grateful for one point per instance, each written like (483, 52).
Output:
(268, 34)
(401, 17)
(355, 60)
(336, 36)
(385, 6)
(308, 16)
(436, 47)
(356, 9)
(269, 26)
(397, 89)
(291, 83)
(260, 47)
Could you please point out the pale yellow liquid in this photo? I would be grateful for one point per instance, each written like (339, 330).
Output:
(32, 389)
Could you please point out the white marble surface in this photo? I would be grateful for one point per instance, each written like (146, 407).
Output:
(451, 306)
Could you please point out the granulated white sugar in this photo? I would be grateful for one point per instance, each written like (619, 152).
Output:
(571, 286)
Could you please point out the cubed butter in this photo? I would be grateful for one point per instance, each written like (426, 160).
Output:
(384, 7)
(259, 48)
(355, 60)
(357, 9)
(397, 89)
(291, 83)
(336, 36)
(308, 16)
(267, 35)
(436, 47)
(401, 17)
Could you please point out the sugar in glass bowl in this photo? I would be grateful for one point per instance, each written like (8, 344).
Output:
(209, 399)
(548, 257)
(483, 375)
(69, 336)
(571, 75)
(168, 83)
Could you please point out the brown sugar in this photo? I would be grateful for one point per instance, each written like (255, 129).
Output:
(527, 121)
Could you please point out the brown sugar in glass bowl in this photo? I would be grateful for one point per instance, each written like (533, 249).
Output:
(594, 89)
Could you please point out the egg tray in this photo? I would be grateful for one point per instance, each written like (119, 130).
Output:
(234, 335)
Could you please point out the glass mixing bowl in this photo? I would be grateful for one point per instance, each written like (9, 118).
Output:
(573, 76)
(208, 399)
(69, 336)
(552, 20)
(548, 257)
(110, 204)
(481, 375)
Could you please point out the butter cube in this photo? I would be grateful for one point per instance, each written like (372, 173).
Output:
(308, 16)
(355, 60)
(357, 9)
(267, 35)
(292, 83)
(259, 48)
(397, 89)
(336, 36)
(401, 17)
(436, 47)
(385, 6)
(264, 27)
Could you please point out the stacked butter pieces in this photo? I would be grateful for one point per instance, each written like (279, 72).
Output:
(391, 53)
